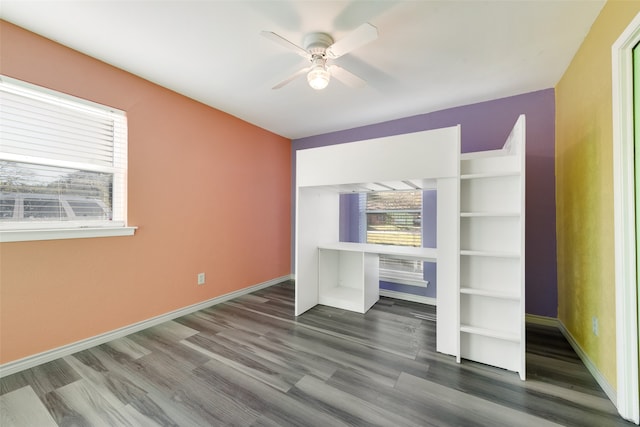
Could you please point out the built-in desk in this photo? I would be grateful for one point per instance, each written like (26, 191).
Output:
(348, 273)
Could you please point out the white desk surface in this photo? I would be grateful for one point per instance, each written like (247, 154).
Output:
(429, 254)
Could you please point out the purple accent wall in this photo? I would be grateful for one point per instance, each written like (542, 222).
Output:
(349, 218)
(485, 126)
(429, 240)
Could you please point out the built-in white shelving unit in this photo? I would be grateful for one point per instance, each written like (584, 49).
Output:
(491, 292)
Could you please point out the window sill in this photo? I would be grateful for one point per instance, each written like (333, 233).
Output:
(64, 233)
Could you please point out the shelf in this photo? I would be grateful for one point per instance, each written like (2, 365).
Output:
(507, 336)
(495, 254)
(490, 293)
(489, 175)
(489, 214)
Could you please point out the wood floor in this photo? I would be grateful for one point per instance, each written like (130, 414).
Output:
(250, 362)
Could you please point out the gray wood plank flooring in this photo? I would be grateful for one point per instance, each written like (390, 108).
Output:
(251, 362)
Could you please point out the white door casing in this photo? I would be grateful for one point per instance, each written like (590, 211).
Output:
(626, 280)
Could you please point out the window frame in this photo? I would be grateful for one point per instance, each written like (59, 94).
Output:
(72, 228)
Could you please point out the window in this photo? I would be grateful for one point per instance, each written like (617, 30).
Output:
(394, 218)
(63, 161)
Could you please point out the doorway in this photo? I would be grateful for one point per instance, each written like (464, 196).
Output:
(636, 139)
(626, 216)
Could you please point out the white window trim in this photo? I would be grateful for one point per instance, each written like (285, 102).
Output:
(64, 233)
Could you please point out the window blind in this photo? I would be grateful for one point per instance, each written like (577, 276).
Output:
(63, 161)
(394, 218)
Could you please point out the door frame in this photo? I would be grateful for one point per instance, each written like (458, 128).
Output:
(626, 280)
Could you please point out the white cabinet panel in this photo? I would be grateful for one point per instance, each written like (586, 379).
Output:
(495, 351)
(413, 156)
(317, 222)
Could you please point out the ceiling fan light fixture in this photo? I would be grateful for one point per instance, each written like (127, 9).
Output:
(318, 77)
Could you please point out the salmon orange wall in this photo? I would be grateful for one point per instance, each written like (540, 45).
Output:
(209, 193)
(584, 190)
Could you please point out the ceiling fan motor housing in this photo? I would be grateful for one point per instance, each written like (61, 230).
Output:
(317, 43)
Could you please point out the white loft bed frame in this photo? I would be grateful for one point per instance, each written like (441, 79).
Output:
(345, 275)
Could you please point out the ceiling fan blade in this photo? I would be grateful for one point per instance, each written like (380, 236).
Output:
(362, 35)
(346, 77)
(285, 43)
(292, 77)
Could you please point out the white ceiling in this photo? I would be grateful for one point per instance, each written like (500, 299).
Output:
(429, 55)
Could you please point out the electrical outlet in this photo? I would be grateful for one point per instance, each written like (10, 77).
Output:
(200, 278)
(594, 325)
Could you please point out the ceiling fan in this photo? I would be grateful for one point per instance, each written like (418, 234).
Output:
(319, 48)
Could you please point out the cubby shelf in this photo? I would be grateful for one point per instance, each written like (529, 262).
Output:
(489, 214)
(502, 335)
(499, 254)
(490, 293)
(489, 175)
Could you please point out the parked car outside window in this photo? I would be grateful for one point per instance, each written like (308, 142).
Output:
(43, 207)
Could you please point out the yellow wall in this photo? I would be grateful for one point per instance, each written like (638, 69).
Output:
(584, 189)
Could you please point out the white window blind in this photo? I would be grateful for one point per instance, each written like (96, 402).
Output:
(63, 160)
(394, 218)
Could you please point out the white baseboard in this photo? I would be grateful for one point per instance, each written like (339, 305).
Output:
(591, 367)
(542, 320)
(65, 350)
(407, 297)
